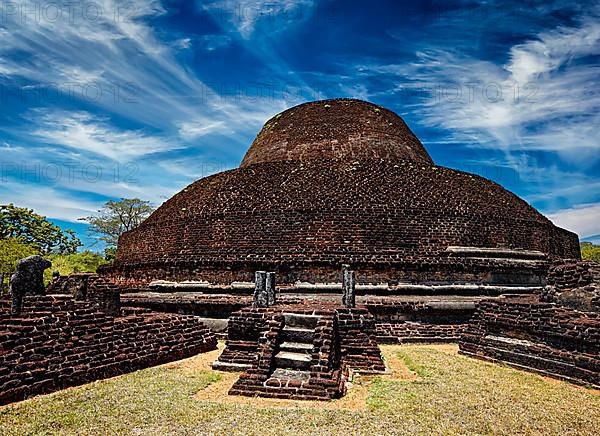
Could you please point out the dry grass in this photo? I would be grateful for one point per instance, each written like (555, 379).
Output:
(430, 390)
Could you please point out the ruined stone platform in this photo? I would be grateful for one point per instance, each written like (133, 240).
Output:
(57, 342)
(398, 318)
(299, 351)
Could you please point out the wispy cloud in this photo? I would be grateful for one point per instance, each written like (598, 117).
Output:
(582, 219)
(543, 98)
(84, 132)
(199, 127)
(48, 200)
(246, 16)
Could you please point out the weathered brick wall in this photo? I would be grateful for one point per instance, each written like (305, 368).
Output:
(359, 350)
(326, 379)
(244, 329)
(57, 342)
(574, 284)
(537, 336)
(407, 331)
(88, 287)
(340, 128)
(211, 306)
(392, 220)
(443, 269)
(417, 321)
(355, 328)
(397, 320)
(569, 274)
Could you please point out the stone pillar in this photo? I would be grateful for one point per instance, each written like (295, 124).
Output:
(270, 285)
(348, 286)
(261, 299)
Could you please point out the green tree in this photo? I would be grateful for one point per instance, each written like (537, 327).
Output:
(11, 251)
(118, 217)
(65, 264)
(590, 251)
(35, 230)
(110, 253)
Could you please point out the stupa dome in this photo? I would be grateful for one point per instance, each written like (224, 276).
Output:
(335, 129)
(340, 182)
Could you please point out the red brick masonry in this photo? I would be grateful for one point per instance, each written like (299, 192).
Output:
(331, 183)
(57, 342)
(343, 339)
(536, 336)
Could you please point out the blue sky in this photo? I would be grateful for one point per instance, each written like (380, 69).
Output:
(105, 99)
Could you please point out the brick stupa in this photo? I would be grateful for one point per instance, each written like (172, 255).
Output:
(342, 182)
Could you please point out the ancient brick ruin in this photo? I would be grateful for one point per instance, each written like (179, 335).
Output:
(61, 340)
(325, 186)
(556, 334)
(301, 351)
(341, 182)
(336, 233)
(333, 183)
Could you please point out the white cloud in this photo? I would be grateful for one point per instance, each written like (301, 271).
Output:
(550, 100)
(183, 43)
(582, 219)
(199, 127)
(48, 201)
(83, 132)
(553, 49)
(246, 16)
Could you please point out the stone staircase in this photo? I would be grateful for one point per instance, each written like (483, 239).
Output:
(298, 360)
(294, 358)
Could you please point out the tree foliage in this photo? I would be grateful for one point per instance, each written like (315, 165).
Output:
(11, 251)
(35, 230)
(118, 217)
(590, 251)
(86, 261)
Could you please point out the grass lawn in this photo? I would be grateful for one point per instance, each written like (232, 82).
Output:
(431, 390)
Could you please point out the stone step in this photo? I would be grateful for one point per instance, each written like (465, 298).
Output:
(297, 334)
(291, 374)
(230, 366)
(296, 347)
(301, 320)
(286, 359)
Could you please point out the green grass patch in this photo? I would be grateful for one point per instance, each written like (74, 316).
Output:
(453, 395)
(420, 369)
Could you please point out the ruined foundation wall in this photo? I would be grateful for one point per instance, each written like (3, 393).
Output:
(574, 284)
(419, 321)
(355, 329)
(424, 270)
(57, 342)
(536, 336)
(396, 320)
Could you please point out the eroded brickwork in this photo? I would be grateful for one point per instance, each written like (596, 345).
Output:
(57, 342)
(343, 339)
(329, 190)
(399, 321)
(575, 284)
(344, 129)
(211, 306)
(358, 348)
(536, 336)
